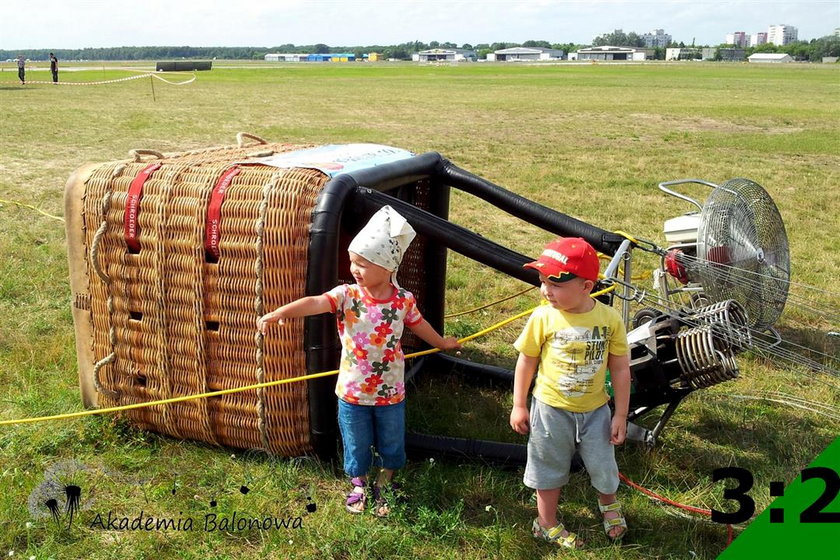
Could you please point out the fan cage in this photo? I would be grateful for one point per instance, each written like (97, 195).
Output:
(743, 251)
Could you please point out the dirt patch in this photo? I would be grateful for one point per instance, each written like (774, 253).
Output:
(704, 124)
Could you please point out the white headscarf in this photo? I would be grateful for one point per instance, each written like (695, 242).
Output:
(384, 240)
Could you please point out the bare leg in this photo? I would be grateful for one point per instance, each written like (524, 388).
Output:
(547, 501)
(385, 476)
(547, 507)
(383, 482)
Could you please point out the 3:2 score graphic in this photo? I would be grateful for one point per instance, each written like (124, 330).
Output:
(814, 513)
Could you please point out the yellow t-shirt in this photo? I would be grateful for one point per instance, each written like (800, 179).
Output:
(573, 350)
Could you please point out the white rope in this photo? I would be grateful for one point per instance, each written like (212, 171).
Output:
(116, 80)
(752, 280)
(816, 407)
(761, 343)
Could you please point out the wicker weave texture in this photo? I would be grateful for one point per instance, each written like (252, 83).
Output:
(175, 323)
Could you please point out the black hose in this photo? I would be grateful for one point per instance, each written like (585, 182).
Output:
(532, 212)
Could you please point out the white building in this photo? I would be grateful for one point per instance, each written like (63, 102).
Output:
(684, 53)
(608, 53)
(766, 58)
(782, 34)
(285, 57)
(738, 38)
(525, 53)
(444, 55)
(656, 38)
(759, 38)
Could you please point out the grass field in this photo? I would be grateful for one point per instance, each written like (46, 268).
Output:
(592, 141)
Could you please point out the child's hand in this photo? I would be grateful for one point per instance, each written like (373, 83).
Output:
(273, 317)
(520, 420)
(450, 343)
(618, 430)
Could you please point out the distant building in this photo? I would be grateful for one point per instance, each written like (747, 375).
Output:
(770, 58)
(684, 53)
(608, 53)
(525, 53)
(725, 54)
(781, 34)
(303, 57)
(738, 38)
(331, 57)
(444, 55)
(728, 54)
(285, 57)
(656, 39)
(759, 38)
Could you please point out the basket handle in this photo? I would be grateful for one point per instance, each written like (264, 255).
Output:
(137, 155)
(97, 238)
(241, 138)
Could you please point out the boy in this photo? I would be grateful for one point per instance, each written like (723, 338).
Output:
(573, 340)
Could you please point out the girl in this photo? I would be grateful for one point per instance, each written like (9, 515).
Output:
(371, 315)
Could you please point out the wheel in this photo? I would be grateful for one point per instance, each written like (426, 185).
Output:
(699, 300)
(645, 315)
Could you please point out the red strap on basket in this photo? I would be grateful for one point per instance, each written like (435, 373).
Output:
(214, 213)
(132, 206)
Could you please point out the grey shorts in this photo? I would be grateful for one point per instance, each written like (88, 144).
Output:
(555, 436)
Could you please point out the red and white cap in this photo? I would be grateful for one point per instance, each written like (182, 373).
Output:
(567, 257)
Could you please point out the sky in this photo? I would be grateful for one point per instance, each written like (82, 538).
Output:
(73, 24)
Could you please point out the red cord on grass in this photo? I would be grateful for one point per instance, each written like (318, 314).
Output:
(655, 496)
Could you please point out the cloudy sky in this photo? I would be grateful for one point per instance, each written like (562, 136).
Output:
(57, 24)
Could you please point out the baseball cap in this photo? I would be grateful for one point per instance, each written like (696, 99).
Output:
(567, 257)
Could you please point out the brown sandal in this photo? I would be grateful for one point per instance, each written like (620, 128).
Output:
(381, 506)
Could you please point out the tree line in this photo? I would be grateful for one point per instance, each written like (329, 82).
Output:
(814, 49)
(403, 51)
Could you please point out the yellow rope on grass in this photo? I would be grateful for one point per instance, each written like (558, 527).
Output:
(165, 401)
(59, 218)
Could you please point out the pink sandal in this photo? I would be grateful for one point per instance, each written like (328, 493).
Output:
(356, 496)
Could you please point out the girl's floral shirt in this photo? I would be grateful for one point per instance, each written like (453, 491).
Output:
(372, 365)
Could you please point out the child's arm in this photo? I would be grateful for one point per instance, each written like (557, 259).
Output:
(620, 375)
(425, 331)
(303, 307)
(522, 377)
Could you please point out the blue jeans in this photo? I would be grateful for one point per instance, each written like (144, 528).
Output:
(366, 427)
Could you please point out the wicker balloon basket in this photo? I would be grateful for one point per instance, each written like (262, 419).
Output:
(172, 259)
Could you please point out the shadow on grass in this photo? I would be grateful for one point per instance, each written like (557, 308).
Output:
(771, 441)
(451, 402)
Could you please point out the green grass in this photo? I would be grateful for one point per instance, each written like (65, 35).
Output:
(590, 140)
